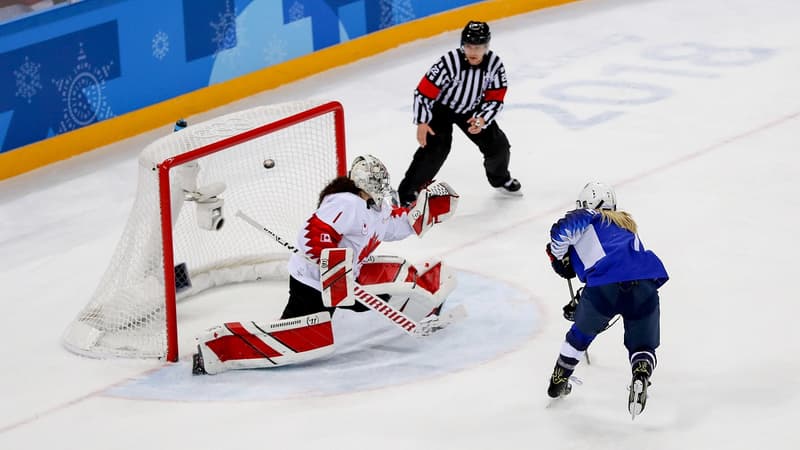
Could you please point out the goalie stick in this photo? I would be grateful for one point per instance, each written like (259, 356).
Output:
(424, 327)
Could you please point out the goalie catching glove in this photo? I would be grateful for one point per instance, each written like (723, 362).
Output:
(435, 204)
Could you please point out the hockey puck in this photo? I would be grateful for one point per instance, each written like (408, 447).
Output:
(269, 163)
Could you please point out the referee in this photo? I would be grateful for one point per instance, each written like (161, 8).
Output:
(465, 87)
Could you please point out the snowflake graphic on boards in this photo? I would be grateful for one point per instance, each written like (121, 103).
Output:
(276, 50)
(82, 94)
(28, 79)
(160, 45)
(225, 29)
(296, 11)
(394, 12)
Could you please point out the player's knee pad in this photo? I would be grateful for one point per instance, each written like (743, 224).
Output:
(578, 339)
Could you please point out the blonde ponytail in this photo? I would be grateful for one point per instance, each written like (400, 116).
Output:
(620, 218)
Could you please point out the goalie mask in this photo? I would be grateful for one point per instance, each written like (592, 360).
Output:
(597, 195)
(370, 175)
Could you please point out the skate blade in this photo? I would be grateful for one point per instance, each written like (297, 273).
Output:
(635, 406)
(506, 193)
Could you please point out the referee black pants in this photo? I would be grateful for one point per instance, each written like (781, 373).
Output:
(427, 161)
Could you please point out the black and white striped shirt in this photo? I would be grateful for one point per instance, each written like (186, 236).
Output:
(462, 87)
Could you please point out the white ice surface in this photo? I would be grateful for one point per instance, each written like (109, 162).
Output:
(691, 108)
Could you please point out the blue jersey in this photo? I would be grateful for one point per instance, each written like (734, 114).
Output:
(602, 252)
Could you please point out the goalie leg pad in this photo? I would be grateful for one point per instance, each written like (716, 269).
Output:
(431, 275)
(422, 290)
(412, 301)
(250, 345)
(383, 269)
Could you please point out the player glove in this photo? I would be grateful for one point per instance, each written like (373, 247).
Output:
(569, 308)
(561, 266)
(569, 311)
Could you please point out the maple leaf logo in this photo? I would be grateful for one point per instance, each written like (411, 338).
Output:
(373, 243)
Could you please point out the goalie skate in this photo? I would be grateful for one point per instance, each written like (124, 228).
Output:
(198, 368)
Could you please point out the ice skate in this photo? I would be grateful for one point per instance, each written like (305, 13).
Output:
(511, 187)
(198, 368)
(559, 382)
(637, 395)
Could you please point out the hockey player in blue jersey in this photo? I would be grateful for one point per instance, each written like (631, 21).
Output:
(600, 246)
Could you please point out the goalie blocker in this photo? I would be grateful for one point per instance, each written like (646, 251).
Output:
(417, 291)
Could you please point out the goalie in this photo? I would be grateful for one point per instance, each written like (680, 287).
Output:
(334, 258)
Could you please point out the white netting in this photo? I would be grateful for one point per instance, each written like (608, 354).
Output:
(126, 316)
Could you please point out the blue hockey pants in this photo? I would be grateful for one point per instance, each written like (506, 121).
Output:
(636, 301)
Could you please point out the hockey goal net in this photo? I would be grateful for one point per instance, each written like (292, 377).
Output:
(182, 237)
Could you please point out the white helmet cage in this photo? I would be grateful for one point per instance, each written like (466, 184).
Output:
(597, 195)
(370, 175)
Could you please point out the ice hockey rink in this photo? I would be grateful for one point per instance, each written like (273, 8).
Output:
(690, 108)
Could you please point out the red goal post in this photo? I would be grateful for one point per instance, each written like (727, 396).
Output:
(271, 161)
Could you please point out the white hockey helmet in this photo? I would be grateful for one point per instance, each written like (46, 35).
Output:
(597, 195)
(370, 175)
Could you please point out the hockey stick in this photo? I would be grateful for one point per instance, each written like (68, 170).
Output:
(610, 324)
(409, 326)
(574, 301)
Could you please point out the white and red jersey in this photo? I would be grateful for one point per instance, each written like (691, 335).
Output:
(344, 220)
